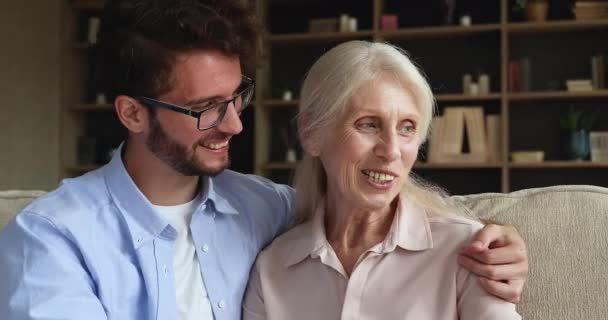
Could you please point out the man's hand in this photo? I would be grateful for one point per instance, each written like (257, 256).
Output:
(498, 255)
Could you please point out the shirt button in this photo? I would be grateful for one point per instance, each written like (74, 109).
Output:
(139, 239)
(205, 248)
(166, 270)
(221, 304)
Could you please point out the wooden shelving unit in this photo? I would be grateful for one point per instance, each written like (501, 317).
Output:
(80, 114)
(444, 55)
(497, 39)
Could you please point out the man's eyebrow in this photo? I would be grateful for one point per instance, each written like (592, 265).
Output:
(198, 101)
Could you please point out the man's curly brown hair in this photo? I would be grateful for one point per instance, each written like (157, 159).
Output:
(139, 39)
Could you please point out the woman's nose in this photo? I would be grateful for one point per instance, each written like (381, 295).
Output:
(388, 147)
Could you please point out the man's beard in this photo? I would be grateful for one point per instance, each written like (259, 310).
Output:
(176, 155)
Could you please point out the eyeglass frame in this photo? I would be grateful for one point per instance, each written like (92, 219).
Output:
(151, 102)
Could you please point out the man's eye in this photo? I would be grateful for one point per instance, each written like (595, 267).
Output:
(202, 107)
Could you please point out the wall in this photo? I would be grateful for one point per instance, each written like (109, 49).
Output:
(30, 74)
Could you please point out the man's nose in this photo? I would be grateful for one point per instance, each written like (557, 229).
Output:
(231, 123)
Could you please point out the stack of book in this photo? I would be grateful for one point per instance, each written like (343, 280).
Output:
(460, 127)
(589, 10)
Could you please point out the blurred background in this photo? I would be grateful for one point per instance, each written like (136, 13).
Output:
(521, 88)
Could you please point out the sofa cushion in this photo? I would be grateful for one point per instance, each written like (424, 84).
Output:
(566, 230)
(12, 201)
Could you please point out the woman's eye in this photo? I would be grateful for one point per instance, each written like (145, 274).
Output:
(367, 126)
(408, 128)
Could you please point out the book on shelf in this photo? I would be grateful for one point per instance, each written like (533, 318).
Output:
(513, 76)
(576, 85)
(525, 74)
(434, 141)
(598, 72)
(476, 131)
(519, 74)
(494, 142)
(447, 140)
(453, 132)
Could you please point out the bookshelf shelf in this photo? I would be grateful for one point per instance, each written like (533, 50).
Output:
(437, 32)
(461, 97)
(304, 38)
(418, 165)
(559, 165)
(460, 165)
(556, 26)
(557, 95)
(273, 103)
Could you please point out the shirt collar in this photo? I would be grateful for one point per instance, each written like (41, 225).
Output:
(213, 190)
(410, 230)
(143, 221)
(311, 240)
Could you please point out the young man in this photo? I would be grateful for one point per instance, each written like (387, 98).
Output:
(164, 231)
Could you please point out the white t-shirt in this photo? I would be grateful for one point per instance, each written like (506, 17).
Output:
(191, 295)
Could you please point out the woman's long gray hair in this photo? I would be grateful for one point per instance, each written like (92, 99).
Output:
(324, 99)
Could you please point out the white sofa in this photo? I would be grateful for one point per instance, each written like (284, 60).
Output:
(12, 201)
(565, 227)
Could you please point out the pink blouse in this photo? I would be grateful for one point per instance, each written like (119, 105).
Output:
(412, 274)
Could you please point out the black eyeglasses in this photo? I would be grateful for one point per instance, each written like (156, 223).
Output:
(209, 115)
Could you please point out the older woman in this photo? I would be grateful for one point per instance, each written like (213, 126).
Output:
(374, 243)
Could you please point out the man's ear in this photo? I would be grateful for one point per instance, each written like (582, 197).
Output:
(310, 144)
(131, 113)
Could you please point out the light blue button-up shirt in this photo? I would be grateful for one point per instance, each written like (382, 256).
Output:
(96, 249)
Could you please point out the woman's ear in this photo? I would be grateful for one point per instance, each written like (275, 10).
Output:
(131, 113)
(310, 145)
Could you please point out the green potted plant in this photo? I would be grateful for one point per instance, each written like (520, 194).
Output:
(536, 10)
(575, 125)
